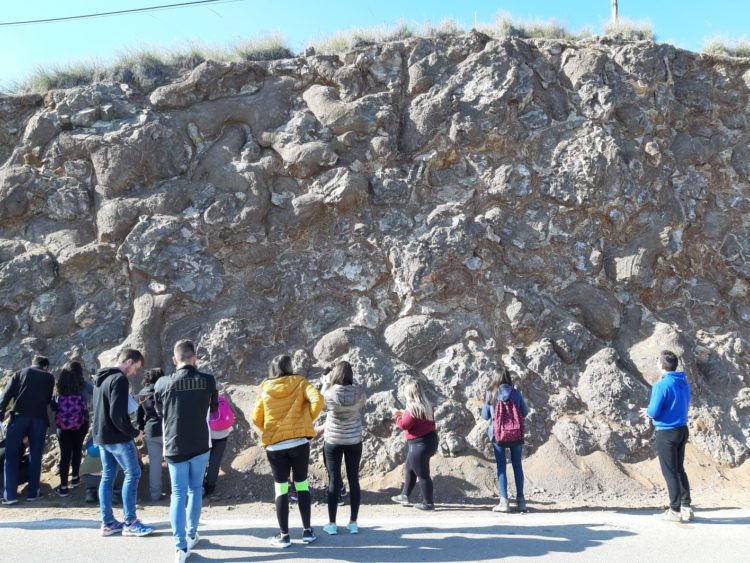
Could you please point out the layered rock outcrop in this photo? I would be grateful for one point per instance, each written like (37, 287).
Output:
(429, 209)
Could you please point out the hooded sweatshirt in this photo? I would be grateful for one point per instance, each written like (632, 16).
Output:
(670, 399)
(344, 404)
(503, 394)
(286, 408)
(184, 400)
(111, 419)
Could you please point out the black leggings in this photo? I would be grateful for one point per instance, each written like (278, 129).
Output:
(214, 463)
(352, 454)
(71, 449)
(670, 447)
(418, 465)
(282, 462)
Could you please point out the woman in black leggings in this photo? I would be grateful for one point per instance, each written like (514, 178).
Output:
(344, 402)
(72, 420)
(418, 424)
(287, 405)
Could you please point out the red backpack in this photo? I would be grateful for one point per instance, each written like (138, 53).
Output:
(509, 423)
(223, 418)
(71, 412)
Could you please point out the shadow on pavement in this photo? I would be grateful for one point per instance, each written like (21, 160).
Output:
(475, 543)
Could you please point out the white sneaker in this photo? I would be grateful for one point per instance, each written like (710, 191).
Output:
(670, 515)
(502, 506)
(687, 514)
(192, 542)
(181, 556)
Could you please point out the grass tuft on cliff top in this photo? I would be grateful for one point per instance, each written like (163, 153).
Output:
(345, 40)
(630, 30)
(721, 46)
(507, 26)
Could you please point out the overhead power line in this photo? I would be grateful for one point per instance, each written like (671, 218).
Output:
(118, 12)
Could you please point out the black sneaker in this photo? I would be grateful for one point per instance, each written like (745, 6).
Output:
(308, 536)
(74, 482)
(425, 506)
(62, 491)
(34, 499)
(280, 540)
(342, 502)
(90, 496)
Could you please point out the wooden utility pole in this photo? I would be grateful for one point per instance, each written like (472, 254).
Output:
(614, 11)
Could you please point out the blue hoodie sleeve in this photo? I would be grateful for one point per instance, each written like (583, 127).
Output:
(486, 411)
(521, 404)
(657, 400)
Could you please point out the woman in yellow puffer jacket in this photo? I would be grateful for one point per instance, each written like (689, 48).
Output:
(287, 405)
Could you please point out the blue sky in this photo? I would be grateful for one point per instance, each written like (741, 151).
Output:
(686, 23)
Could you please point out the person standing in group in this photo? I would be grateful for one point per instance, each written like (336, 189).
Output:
(668, 410)
(506, 410)
(286, 408)
(149, 422)
(114, 434)
(344, 401)
(418, 424)
(31, 392)
(221, 423)
(185, 400)
(72, 420)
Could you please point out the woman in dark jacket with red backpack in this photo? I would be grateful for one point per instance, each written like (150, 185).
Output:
(506, 410)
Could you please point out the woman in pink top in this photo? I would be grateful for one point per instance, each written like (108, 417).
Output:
(418, 424)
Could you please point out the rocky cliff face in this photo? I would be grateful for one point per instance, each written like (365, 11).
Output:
(425, 208)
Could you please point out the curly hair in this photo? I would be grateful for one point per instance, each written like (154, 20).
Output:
(70, 381)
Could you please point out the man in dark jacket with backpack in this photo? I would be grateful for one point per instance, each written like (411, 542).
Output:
(114, 434)
(184, 400)
(31, 392)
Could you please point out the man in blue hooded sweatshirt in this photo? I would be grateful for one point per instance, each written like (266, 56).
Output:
(668, 409)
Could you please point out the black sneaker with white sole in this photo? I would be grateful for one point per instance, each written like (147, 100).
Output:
(308, 536)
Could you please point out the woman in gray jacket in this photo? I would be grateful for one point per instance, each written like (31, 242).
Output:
(344, 401)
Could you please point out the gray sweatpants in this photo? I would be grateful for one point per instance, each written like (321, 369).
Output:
(155, 447)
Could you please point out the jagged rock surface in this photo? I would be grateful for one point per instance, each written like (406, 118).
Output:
(429, 208)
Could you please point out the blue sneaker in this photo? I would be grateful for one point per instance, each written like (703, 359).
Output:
(112, 528)
(137, 529)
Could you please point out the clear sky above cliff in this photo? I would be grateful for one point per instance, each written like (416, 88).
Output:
(686, 23)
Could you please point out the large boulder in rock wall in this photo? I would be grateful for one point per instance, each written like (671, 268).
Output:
(596, 309)
(413, 339)
(173, 251)
(26, 276)
(610, 391)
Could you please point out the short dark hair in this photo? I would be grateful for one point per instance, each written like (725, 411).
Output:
(130, 354)
(184, 350)
(40, 362)
(70, 381)
(152, 376)
(280, 365)
(342, 374)
(668, 360)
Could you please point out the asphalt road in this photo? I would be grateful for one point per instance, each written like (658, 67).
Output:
(402, 534)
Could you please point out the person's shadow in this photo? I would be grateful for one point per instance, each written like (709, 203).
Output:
(423, 543)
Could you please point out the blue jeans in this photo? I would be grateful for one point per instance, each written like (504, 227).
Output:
(187, 482)
(516, 450)
(19, 427)
(126, 457)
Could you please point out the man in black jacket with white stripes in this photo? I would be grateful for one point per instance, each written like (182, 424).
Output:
(184, 400)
